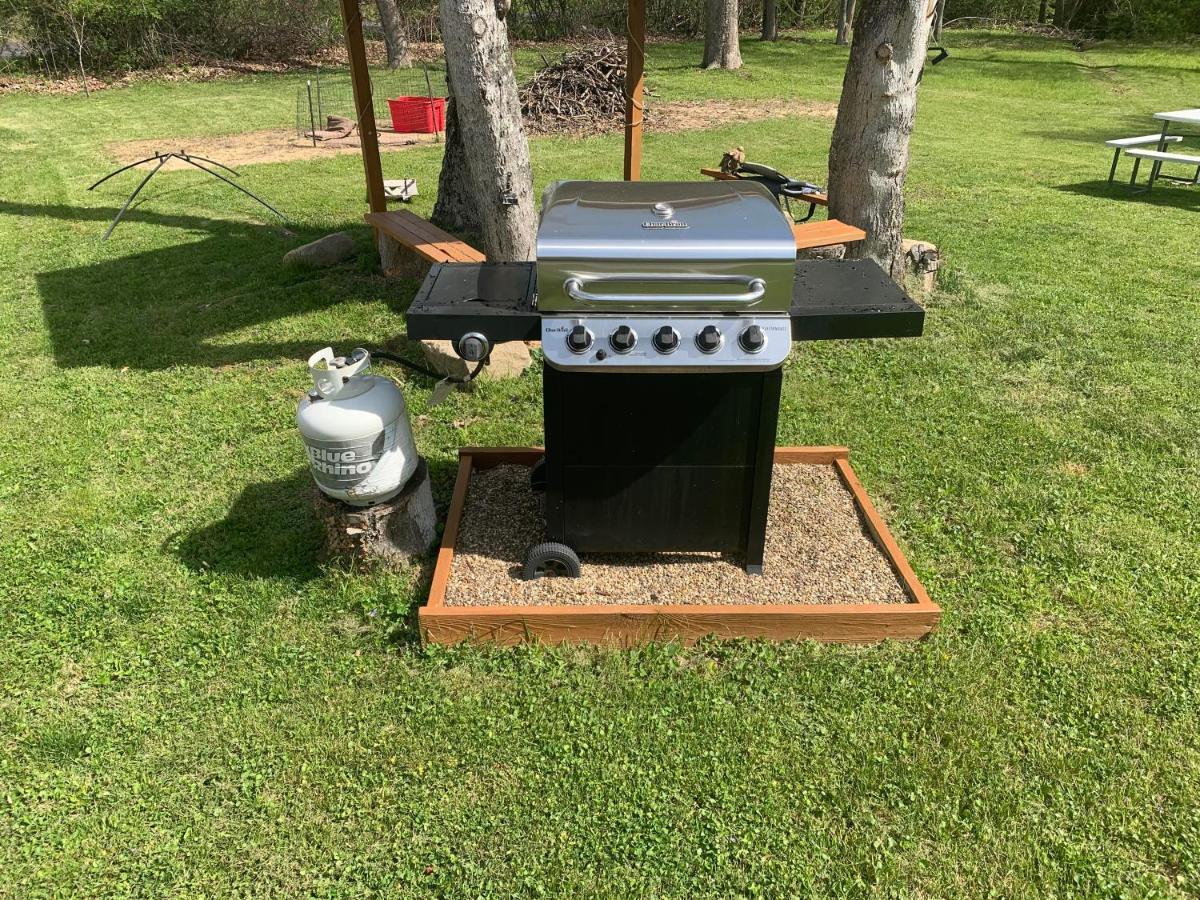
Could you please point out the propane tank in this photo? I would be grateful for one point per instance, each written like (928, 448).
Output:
(355, 429)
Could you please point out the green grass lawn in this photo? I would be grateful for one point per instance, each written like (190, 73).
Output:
(190, 703)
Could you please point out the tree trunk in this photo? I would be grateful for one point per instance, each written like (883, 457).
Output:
(843, 30)
(939, 16)
(394, 38)
(721, 36)
(770, 23)
(1042, 12)
(488, 113)
(455, 208)
(868, 158)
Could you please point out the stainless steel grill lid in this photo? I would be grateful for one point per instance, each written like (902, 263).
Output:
(643, 246)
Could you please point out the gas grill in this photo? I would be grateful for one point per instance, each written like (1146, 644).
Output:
(665, 312)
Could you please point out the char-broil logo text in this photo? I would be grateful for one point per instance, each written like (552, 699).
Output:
(664, 223)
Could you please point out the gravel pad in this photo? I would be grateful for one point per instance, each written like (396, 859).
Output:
(817, 552)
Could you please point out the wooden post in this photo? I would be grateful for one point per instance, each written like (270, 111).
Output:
(360, 78)
(635, 65)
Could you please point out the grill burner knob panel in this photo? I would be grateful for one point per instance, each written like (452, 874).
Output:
(579, 339)
(752, 339)
(623, 339)
(709, 339)
(662, 342)
(666, 339)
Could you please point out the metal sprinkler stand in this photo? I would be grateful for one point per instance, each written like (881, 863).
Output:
(190, 159)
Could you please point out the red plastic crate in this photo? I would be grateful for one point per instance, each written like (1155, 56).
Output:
(418, 115)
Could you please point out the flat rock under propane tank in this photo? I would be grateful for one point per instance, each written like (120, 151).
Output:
(508, 360)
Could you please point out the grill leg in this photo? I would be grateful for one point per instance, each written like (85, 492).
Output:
(1112, 173)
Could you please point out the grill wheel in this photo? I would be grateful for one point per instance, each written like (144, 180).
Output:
(553, 559)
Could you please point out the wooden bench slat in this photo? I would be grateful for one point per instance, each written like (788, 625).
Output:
(461, 251)
(423, 237)
(819, 199)
(823, 234)
(406, 234)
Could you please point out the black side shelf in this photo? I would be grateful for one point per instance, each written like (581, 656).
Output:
(495, 298)
(835, 299)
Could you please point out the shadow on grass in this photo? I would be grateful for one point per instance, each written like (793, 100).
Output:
(172, 305)
(1167, 196)
(271, 531)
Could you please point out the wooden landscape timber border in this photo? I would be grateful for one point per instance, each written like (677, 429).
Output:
(629, 624)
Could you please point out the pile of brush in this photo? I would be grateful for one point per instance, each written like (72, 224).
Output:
(581, 93)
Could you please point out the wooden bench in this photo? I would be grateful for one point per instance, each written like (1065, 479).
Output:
(1159, 157)
(826, 234)
(1119, 144)
(408, 244)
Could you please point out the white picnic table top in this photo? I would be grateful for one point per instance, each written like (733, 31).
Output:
(1180, 115)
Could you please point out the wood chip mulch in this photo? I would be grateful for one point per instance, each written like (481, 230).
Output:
(817, 552)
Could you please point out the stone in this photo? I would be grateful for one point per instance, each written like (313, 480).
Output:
(508, 360)
(323, 252)
(397, 531)
(923, 260)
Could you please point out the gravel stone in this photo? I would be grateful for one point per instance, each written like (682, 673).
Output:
(817, 552)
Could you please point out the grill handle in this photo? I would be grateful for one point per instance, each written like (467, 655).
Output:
(756, 289)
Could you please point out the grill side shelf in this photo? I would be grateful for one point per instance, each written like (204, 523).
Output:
(850, 299)
(494, 298)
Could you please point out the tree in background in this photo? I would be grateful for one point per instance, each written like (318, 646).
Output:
(868, 157)
(394, 39)
(845, 22)
(770, 22)
(487, 111)
(721, 50)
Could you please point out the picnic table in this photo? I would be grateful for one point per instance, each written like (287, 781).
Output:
(1134, 147)
(1184, 116)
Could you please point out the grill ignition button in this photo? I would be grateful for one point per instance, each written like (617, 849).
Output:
(623, 339)
(579, 339)
(709, 339)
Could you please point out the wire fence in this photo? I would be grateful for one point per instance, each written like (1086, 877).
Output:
(330, 92)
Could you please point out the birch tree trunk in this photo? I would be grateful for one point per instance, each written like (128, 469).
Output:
(455, 208)
(843, 29)
(770, 23)
(868, 158)
(394, 38)
(939, 17)
(480, 66)
(721, 49)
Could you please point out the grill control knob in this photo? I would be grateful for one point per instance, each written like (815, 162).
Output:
(579, 339)
(666, 339)
(752, 339)
(623, 339)
(709, 339)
